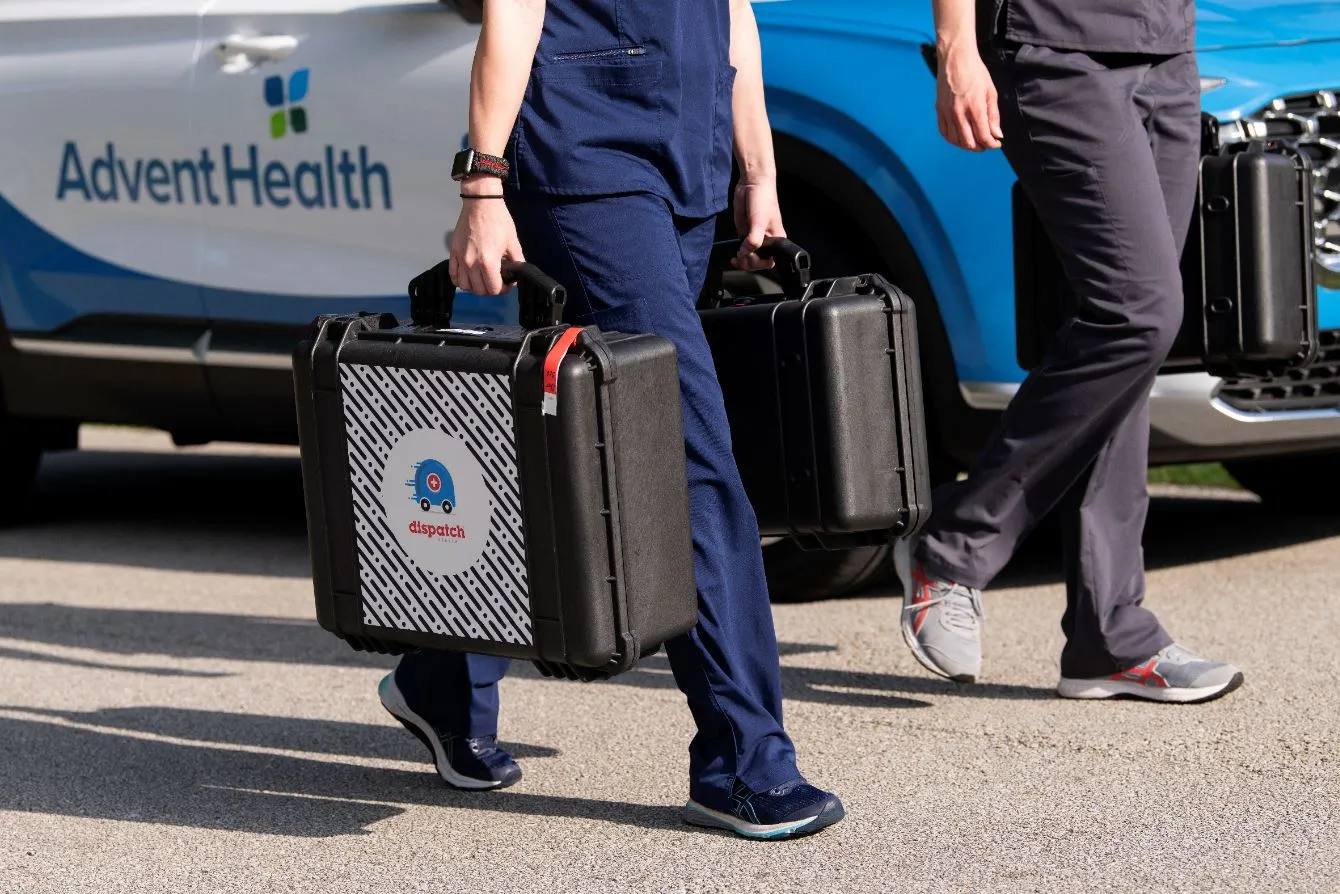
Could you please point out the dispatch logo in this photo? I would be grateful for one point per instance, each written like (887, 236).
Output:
(441, 512)
(433, 489)
(289, 116)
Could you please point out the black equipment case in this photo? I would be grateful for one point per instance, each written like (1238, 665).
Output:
(515, 491)
(1251, 303)
(822, 385)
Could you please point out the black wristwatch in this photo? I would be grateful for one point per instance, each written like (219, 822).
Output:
(469, 162)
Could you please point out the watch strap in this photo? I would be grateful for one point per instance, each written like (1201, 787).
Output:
(471, 161)
(489, 164)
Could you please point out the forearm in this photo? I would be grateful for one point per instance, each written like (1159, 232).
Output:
(955, 24)
(485, 234)
(753, 133)
(501, 70)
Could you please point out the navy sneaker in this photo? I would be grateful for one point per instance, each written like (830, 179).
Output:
(470, 764)
(788, 811)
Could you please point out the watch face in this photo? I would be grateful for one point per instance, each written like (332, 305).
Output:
(462, 164)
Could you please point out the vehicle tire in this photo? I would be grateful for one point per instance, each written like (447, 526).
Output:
(20, 458)
(1299, 483)
(447, 507)
(425, 505)
(798, 575)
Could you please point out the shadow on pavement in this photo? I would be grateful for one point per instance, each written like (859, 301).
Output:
(1182, 530)
(826, 686)
(243, 638)
(175, 511)
(118, 631)
(387, 741)
(244, 515)
(48, 658)
(93, 770)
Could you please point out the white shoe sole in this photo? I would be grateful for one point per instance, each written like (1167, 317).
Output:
(902, 564)
(394, 702)
(1102, 688)
(696, 814)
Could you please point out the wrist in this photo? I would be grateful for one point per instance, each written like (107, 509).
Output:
(757, 173)
(481, 185)
(952, 42)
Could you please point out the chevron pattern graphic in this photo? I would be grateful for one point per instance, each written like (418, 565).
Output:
(489, 600)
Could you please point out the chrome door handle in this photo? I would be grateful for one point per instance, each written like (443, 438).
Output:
(240, 52)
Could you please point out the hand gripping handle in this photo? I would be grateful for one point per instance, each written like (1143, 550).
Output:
(792, 267)
(541, 299)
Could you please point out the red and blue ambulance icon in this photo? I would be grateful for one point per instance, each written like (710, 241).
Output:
(433, 487)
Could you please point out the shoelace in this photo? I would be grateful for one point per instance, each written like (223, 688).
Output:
(1175, 654)
(961, 606)
(486, 751)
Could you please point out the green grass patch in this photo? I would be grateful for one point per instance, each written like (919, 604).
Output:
(1194, 475)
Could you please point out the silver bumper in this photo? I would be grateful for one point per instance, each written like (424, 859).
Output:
(1183, 407)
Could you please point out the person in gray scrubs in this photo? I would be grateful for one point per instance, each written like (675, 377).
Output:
(1096, 105)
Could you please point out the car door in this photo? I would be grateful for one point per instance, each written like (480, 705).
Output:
(100, 206)
(333, 123)
(336, 122)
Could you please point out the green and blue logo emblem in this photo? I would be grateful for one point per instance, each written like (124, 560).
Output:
(288, 114)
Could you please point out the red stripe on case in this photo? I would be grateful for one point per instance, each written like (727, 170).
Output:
(552, 360)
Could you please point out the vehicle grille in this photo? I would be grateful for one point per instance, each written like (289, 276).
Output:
(1311, 123)
(1316, 387)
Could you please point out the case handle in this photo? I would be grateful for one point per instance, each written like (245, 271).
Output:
(541, 298)
(793, 267)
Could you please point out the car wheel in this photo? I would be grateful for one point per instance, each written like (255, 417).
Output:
(447, 507)
(425, 505)
(799, 575)
(1289, 482)
(20, 458)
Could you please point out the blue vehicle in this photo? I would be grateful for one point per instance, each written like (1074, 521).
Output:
(168, 229)
(433, 486)
(867, 183)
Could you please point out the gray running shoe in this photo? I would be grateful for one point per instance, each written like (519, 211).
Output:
(1173, 675)
(942, 620)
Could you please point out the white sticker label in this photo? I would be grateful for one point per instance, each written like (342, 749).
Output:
(437, 501)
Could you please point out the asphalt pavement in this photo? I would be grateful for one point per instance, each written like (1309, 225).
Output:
(172, 719)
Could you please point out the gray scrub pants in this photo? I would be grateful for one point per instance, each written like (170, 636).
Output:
(1107, 147)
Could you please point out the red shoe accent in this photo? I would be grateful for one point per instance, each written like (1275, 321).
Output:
(1144, 674)
(922, 594)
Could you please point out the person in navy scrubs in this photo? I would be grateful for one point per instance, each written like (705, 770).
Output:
(600, 149)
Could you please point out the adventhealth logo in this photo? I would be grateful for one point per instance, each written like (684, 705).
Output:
(332, 178)
(294, 116)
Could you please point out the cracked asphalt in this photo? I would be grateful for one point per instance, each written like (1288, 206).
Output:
(172, 719)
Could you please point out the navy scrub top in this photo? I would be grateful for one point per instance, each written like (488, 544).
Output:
(629, 96)
(1162, 27)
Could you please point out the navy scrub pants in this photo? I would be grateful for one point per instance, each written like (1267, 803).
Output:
(1107, 148)
(630, 264)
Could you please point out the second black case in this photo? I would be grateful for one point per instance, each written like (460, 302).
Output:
(824, 397)
(1251, 300)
